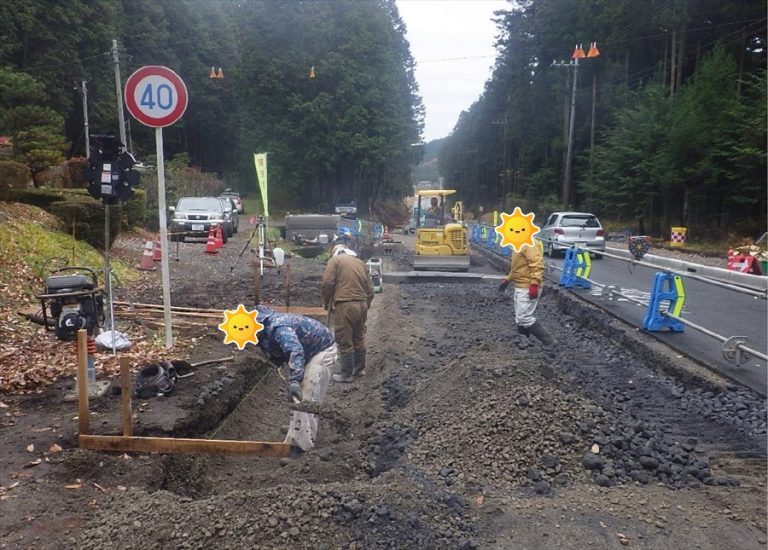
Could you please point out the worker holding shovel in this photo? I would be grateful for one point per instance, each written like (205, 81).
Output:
(310, 351)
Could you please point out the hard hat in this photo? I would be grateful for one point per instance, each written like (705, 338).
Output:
(341, 249)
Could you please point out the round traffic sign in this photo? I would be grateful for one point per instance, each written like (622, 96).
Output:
(155, 96)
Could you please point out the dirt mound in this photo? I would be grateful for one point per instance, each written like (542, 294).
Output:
(395, 511)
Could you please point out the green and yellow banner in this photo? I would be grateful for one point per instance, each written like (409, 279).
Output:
(260, 160)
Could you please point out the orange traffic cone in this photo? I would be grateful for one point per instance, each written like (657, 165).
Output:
(210, 247)
(158, 252)
(146, 258)
(219, 239)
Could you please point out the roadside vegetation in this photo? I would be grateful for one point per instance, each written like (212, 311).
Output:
(669, 118)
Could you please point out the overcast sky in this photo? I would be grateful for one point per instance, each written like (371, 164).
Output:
(440, 31)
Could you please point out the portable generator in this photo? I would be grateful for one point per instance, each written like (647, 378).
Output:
(74, 301)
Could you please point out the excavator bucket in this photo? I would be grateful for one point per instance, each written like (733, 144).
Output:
(440, 263)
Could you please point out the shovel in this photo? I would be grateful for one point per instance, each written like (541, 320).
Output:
(185, 368)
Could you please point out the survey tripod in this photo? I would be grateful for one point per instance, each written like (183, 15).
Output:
(259, 231)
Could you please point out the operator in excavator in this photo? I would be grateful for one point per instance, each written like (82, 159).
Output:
(527, 273)
(348, 292)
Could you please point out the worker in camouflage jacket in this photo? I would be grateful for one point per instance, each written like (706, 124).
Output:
(527, 273)
(309, 349)
(348, 292)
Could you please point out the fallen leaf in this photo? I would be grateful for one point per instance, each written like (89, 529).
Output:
(126, 456)
(55, 448)
(38, 430)
(93, 504)
(99, 487)
(3, 405)
(479, 500)
(121, 487)
(595, 448)
(12, 485)
(77, 485)
(33, 463)
(31, 447)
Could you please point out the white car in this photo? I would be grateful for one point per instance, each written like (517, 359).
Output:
(564, 230)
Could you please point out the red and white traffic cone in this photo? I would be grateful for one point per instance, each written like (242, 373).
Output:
(158, 252)
(219, 238)
(146, 258)
(210, 247)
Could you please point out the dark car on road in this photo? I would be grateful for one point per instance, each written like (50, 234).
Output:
(231, 219)
(194, 216)
(235, 196)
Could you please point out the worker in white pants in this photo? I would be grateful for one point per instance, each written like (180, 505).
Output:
(302, 431)
(310, 351)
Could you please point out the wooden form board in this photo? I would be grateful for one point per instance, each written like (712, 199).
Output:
(218, 314)
(130, 443)
(177, 445)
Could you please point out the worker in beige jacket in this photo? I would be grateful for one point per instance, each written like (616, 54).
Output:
(348, 292)
(527, 273)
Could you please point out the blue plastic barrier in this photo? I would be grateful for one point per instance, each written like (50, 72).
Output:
(666, 287)
(576, 268)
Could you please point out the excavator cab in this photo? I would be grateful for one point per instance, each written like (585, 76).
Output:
(441, 242)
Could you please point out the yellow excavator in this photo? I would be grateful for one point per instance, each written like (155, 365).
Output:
(441, 243)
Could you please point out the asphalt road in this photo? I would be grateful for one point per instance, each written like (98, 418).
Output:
(722, 311)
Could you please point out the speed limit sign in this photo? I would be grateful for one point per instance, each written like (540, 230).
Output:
(155, 96)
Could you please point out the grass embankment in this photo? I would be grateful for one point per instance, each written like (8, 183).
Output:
(32, 244)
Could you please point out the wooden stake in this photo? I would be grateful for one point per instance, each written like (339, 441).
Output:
(173, 445)
(125, 396)
(257, 287)
(82, 380)
(287, 285)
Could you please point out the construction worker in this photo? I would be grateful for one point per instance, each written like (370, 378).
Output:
(348, 292)
(527, 273)
(310, 351)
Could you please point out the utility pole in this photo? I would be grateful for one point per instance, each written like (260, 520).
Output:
(578, 53)
(83, 89)
(119, 93)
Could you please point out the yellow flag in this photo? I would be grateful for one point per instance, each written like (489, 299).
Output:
(260, 159)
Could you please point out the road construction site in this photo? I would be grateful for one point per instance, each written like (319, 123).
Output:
(457, 437)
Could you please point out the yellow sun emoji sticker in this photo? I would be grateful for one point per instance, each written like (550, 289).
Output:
(517, 230)
(240, 327)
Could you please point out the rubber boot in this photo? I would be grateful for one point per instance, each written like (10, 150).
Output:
(347, 362)
(525, 331)
(359, 369)
(538, 330)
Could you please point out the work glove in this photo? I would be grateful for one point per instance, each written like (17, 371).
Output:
(533, 291)
(294, 391)
(503, 286)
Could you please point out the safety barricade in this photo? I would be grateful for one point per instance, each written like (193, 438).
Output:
(576, 269)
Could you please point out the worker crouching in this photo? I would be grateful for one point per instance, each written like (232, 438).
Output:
(348, 292)
(310, 351)
(527, 273)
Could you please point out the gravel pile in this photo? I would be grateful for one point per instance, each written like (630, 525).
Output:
(488, 417)
(739, 408)
(400, 511)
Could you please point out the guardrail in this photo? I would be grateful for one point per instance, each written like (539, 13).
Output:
(667, 293)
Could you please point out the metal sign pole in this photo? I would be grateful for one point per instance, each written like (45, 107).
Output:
(108, 276)
(165, 267)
